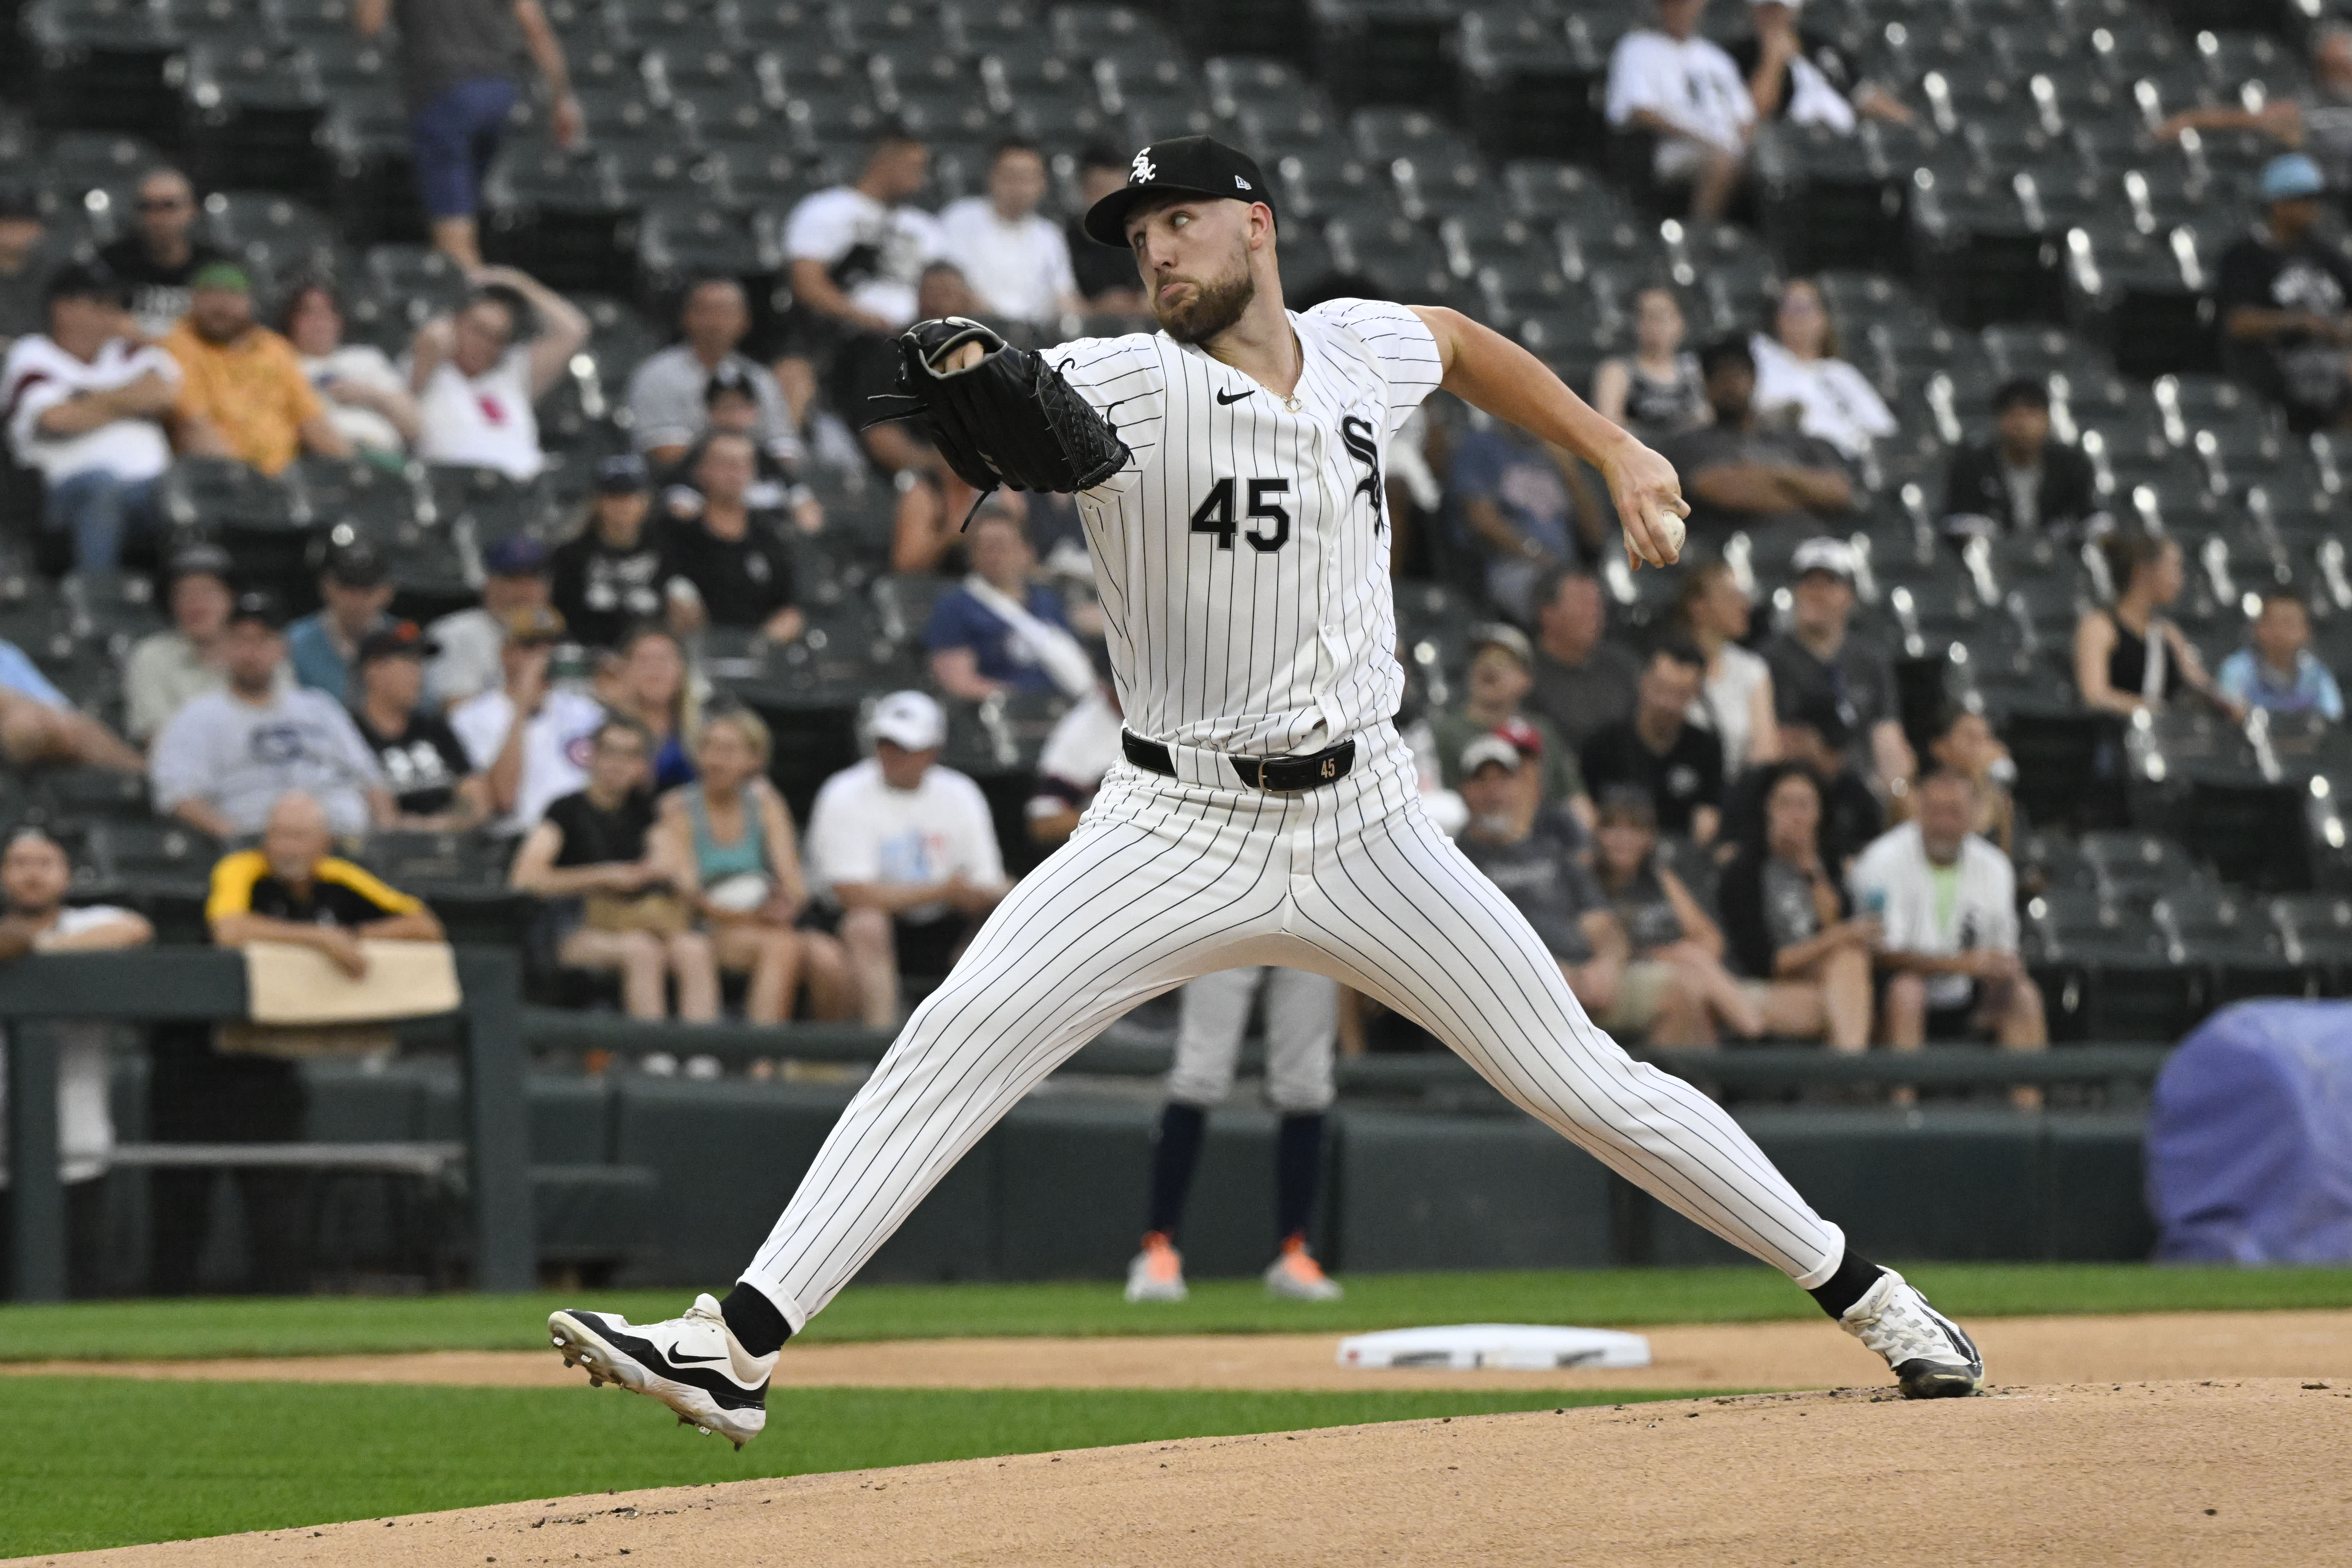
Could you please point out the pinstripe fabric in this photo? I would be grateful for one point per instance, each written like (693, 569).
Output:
(1164, 881)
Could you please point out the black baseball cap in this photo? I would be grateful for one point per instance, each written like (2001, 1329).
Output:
(728, 377)
(396, 639)
(200, 561)
(258, 605)
(621, 474)
(85, 280)
(1179, 166)
(358, 565)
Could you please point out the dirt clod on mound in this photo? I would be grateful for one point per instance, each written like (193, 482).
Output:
(2210, 1472)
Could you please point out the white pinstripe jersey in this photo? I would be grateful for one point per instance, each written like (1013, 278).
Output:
(1243, 556)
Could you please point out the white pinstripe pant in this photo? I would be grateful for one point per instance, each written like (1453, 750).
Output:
(1166, 880)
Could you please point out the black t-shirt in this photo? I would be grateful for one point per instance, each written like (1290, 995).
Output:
(742, 581)
(1837, 67)
(2302, 370)
(604, 590)
(1099, 268)
(1718, 445)
(594, 837)
(1689, 775)
(158, 292)
(423, 764)
(444, 42)
(1858, 680)
(1544, 882)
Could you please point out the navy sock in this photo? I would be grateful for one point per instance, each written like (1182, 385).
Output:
(1298, 1171)
(753, 1319)
(1854, 1276)
(1176, 1150)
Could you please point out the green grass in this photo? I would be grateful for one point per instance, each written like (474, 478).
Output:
(84, 1465)
(344, 1325)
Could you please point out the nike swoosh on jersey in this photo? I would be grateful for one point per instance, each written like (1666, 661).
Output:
(1237, 398)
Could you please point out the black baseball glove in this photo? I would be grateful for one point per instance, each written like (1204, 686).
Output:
(1010, 420)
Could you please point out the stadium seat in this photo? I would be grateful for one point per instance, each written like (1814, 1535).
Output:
(330, 492)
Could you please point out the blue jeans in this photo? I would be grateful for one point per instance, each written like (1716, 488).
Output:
(99, 509)
(455, 138)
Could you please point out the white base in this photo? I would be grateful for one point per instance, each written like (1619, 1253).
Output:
(1494, 1347)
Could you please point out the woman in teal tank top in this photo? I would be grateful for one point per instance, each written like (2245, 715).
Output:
(735, 832)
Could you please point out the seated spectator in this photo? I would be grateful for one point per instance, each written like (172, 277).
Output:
(1079, 753)
(1105, 274)
(730, 563)
(1963, 742)
(647, 681)
(1712, 610)
(1948, 901)
(355, 595)
(1001, 629)
(1501, 676)
(1523, 507)
(221, 761)
(613, 904)
(472, 641)
(614, 574)
(1016, 260)
(1737, 473)
(35, 876)
(530, 740)
(668, 393)
(26, 263)
(1659, 751)
(1816, 658)
(2020, 481)
(731, 408)
(1541, 876)
(856, 251)
(433, 784)
(475, 386)
(2316, 121)
(1806, 78)
(733, 840)
(242, 391)
(2128, 658)
(363, 394)
(1816, 739)
(2277, 670)
(40, 727)
(87, 405)
(1656, 391)
(293, 888)
(866, 366)
(167, 668)
(158, 260)
(1800, 378)
(903, 853)
(1685, 90)
(1583, 680)
(2283, 293)
(1789, 919)
(1676, 947)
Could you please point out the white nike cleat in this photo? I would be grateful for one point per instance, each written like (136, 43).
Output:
(1157, 1273)
(1933, 1358)
(693, 1364)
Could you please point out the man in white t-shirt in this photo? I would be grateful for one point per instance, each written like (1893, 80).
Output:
(1686, 91)
(1016, 261)
(475, 384)
(906, 851)
(35, 876)
(86, 405)
(856, 251)
(544, 756)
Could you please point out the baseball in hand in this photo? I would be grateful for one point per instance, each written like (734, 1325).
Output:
(1670, 533)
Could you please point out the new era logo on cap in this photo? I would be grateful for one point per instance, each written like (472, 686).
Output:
(1240, 184)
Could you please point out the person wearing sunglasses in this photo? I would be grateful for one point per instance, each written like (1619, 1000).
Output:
(161, 253)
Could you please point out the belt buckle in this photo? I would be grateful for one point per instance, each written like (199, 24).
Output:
(1327, 770)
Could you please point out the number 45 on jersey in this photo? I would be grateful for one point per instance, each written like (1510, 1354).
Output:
(1216, 514)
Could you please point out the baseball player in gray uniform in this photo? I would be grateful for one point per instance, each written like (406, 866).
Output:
(1266, 811)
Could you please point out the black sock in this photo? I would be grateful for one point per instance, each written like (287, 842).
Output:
(1854, 1276)
(1176, 1150)
(1298, 1171)
(754, 1321)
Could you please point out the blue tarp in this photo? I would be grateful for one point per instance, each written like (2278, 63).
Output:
(2249, 1137)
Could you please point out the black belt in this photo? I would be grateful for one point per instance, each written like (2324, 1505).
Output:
(1275, 775)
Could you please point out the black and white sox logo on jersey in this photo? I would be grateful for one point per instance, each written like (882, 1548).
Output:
(1356, 435)
(1215, 515)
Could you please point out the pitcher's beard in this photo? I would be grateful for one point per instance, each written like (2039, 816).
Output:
(1213, 307)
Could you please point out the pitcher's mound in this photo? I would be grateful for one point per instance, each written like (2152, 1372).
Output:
(2132, 1473)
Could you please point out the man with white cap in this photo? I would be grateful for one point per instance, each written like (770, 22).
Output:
(1815, 662)
(2282, 293)
(1803, 76)
(903, 853)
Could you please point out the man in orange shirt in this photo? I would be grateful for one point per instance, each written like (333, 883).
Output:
(243, 393)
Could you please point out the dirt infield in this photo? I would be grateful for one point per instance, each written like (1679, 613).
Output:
(1802, 1354)
(2210, 1472)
